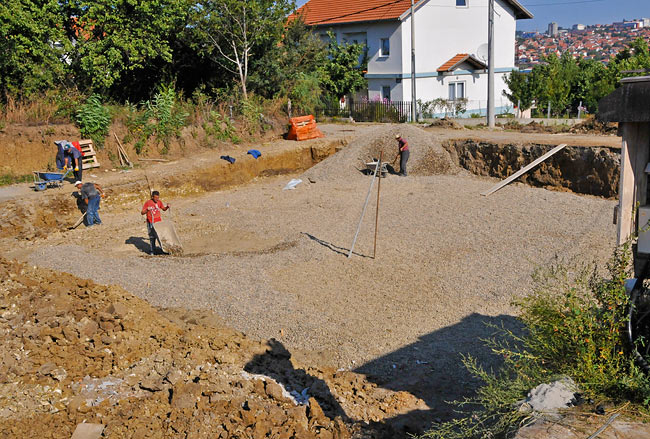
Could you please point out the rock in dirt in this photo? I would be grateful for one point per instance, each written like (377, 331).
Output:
(547, 398)
(88, 431)
(147, 375)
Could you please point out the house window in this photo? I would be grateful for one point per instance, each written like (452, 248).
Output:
(456, 91)
(385, 92)
(461, 3)
(384, 47)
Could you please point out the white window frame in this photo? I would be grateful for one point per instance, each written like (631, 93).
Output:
(454, 84)
(466, 5)
(381, 47)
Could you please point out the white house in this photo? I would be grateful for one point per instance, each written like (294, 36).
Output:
(450, 42)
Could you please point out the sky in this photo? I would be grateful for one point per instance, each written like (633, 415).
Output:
(569, 12)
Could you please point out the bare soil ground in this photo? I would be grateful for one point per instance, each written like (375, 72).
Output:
(273, 263)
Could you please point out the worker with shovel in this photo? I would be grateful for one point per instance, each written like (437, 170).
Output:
(91, 194)
(152, 209)
(402, 153)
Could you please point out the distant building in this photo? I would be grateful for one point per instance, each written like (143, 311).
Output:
(553, 29)
(579, 27)
(646, 22)
(454, 70)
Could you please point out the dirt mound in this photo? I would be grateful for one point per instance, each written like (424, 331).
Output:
(36, 219)
(445, 123)
(427, 156)
(74, 351)
(594, 126)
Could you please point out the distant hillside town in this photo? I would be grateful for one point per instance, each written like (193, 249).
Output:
(599, 41)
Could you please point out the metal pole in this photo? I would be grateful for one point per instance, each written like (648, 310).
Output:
(580, 110)
(374, 251)
(490, 107)
(363, 212)
(413, 94)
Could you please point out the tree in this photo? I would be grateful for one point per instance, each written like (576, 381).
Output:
(285, 67)
(520, 89)
(230, 32)
(114, 38)
(344, 68)
(33, 46)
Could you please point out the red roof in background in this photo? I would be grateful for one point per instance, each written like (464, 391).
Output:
(321, 12)
(459, 59)
(316, 12)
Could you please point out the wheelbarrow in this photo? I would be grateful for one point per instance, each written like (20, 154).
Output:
(46, 179)
(371, 166)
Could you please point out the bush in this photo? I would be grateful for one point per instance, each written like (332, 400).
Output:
(574, 323)
(162, 118)
(94, 119)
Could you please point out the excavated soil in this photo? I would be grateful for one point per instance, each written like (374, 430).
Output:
(584, 170)
(74, 351)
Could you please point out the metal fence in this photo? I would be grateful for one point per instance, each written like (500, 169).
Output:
(372, 111)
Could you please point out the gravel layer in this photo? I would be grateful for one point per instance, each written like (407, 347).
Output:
(448, 260)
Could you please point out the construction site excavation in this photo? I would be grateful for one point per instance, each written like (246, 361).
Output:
(263, 326)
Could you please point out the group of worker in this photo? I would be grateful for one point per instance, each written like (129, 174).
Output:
(69, 156)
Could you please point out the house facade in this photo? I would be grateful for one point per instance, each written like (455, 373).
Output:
(450, 42)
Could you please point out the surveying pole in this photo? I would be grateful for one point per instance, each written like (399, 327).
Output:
(413, 98)
(490, 106)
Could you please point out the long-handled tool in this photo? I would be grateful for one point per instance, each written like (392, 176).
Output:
(78, 223)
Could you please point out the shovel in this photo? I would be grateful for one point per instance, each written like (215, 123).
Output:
(79, 221)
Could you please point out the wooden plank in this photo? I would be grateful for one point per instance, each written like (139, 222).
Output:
(524, 170)
(121, 150)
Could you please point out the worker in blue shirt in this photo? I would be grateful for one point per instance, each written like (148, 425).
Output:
(72, 157)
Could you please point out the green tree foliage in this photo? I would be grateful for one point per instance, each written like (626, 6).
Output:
(291, 67)
(564, 82)
(235, 33)
(33, 45)
(116, 37)
(94, 119)
(345, 71)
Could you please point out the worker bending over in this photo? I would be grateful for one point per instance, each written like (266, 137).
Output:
(92, 194)
(152, 209)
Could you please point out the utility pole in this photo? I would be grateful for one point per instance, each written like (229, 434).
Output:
(413, 94)
(490, 107)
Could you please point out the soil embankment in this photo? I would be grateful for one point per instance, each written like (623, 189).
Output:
(584, 170)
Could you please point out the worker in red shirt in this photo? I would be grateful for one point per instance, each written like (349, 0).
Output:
(402, 153)
(152, 209)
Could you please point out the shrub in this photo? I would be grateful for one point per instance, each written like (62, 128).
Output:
(574, 322)
(161, 118)
(94, 119)
(220, 127)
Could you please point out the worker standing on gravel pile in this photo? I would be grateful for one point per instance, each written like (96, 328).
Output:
(152, 209)
(402, 153)
(92, 194)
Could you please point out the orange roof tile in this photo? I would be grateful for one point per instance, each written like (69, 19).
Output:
(324, 12)
(459, 59)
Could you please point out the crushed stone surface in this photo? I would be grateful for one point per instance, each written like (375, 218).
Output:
(273, 263)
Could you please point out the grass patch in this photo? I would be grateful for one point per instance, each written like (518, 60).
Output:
(574, 326)
(7, 179)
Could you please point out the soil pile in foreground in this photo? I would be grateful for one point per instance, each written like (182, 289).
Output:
(427, 156)
(74, 351)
